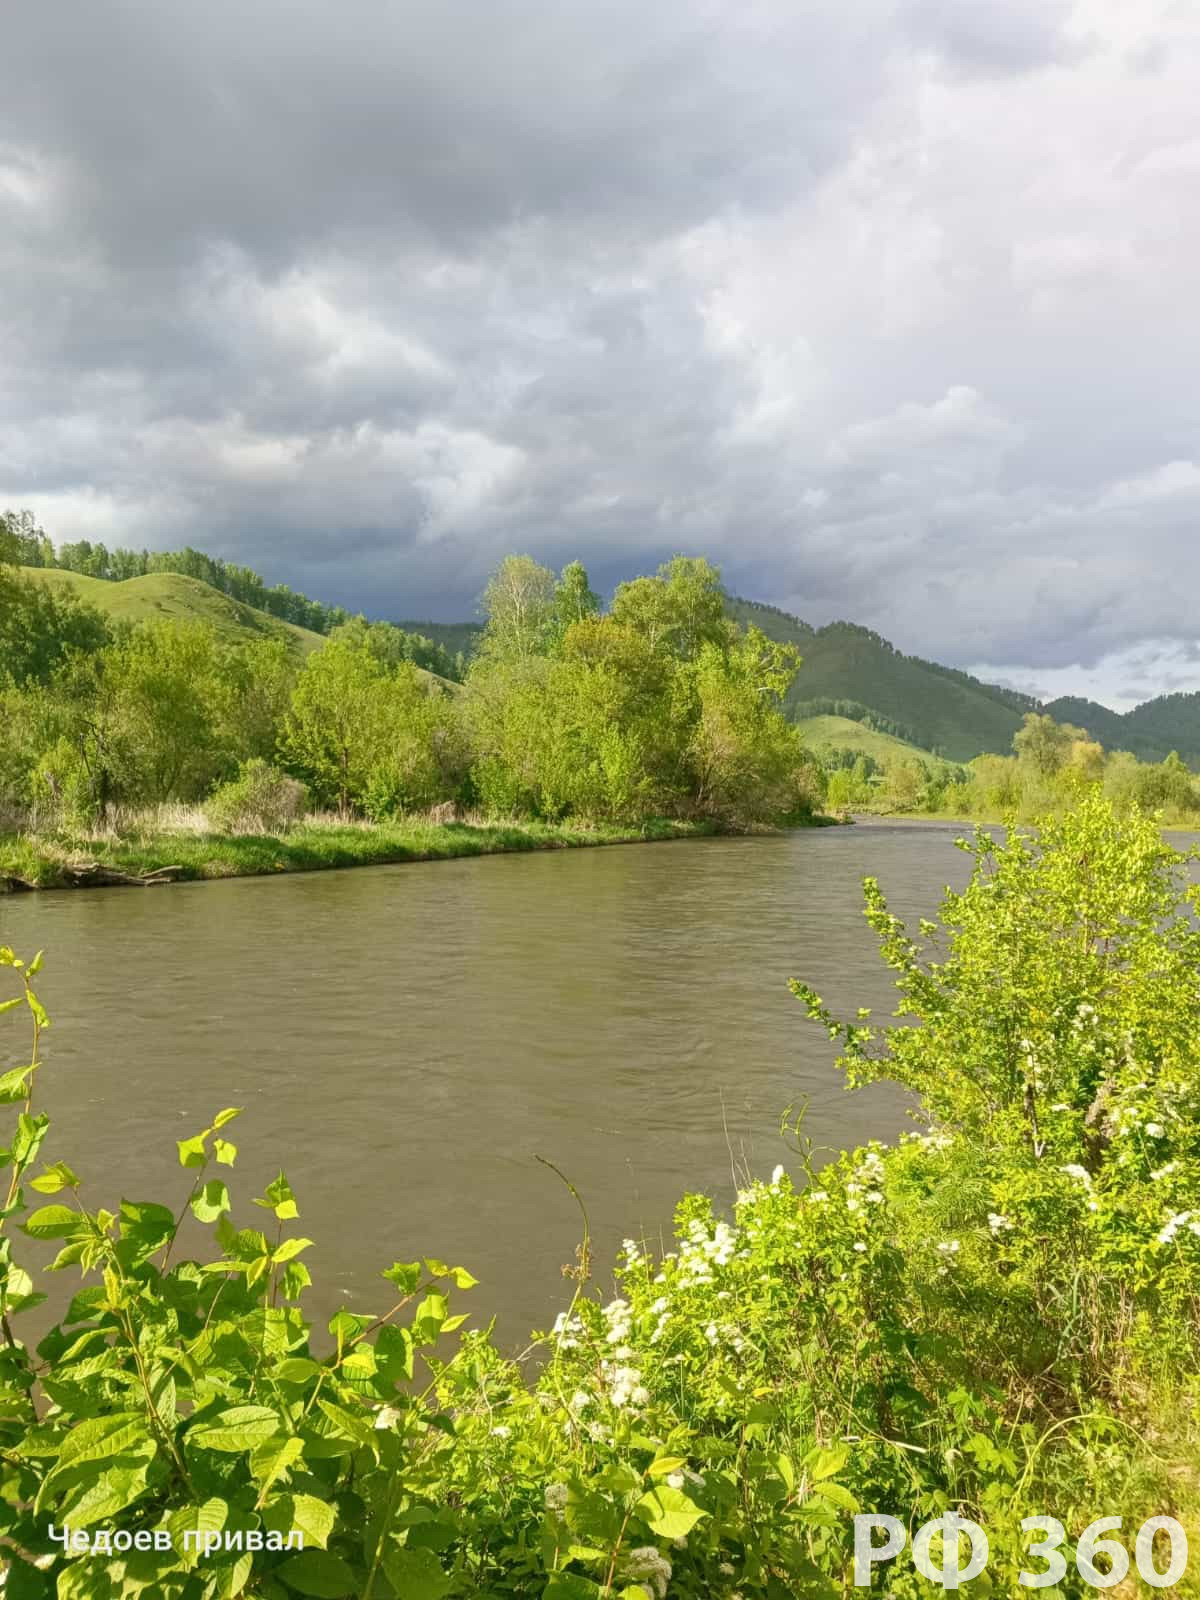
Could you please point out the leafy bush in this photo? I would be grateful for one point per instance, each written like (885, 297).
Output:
(261, 799)
(1000, 1315)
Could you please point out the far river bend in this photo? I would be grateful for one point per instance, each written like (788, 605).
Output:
(405, 1040)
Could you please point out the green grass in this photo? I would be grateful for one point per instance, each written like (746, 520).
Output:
(171, 596)
(39, 860)
(841, 733)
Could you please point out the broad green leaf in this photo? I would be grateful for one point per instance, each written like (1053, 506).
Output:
(662, 1465)
(296, 1369)
(191, 1151)
(288, 1249)
(103, 1437)
(240, 1428)
(211, 1202)
(272, 1458)
(415, 1574)
(313, 1517)
(14, 1085)
(668, 1512)
(820, 1464)
(54, 1179)
(53, 1222)
(318, 1572)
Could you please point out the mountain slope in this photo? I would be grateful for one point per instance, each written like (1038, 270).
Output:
(1151, 731)
(170, 595)
(825, 733)
(942, 710)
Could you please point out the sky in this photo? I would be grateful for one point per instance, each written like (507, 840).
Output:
(888, 308)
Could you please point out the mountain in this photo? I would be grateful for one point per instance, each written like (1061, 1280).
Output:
(938, 708)
(171, 595)
(1151, 731)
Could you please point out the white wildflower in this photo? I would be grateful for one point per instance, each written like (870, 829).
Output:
(999, 1223)
(1074, 1170)
(776, 1176)
(675, 1480)
(1172, 1226)
(1155, 1130)
(647, 1565)
(556, 1496)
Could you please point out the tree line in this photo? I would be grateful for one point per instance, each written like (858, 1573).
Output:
(1051, 766)
(659, 706)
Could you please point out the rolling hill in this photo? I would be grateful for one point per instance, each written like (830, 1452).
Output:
(825, 733)
(939, 708)
(179, 599)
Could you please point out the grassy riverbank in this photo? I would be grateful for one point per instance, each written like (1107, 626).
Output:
(45, 861)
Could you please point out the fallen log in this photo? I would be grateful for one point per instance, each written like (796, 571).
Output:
(96, 874)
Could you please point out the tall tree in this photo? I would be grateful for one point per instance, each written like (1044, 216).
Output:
(519, 605)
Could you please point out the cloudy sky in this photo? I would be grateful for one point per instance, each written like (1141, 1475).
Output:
(888, 307)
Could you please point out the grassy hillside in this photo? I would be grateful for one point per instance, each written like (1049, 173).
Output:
(170, 595)
(826, 733)
(945, 711)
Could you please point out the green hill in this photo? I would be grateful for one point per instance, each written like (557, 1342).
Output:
(825, 733)
(1151, 731)
(179, 599)
(938, 708)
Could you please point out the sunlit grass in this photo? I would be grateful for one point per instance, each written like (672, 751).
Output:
(178, 837)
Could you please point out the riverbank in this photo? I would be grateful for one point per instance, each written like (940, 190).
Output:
(36, 861)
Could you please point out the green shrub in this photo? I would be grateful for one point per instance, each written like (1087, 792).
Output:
(261, 799)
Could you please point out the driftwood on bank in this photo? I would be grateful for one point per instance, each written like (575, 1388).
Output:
(96, 875)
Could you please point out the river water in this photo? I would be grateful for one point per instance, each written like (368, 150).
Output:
(406, 1041)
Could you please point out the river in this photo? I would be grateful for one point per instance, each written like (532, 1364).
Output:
(405, 1041)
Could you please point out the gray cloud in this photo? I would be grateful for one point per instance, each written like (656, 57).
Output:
(885, 307)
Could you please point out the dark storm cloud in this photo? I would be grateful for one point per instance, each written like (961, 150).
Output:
(880, 306)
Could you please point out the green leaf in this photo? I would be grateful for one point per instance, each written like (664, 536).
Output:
(240, 1428)
(317, 1572)
(668, 1512)
(296, 1369)
(663, 1465)
(102, 1437)
(313, 1517)
(191, 1151)
(211, 1202)
(406, 1275)
(415, 1574)
(54, 1179)
(279, 1198)
(288, 1249)
(570, 1586)
(225, 1152)
(14, 1085)
(11, 1005)
(820, 1464)
(53, 1222)
(222, 1117)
